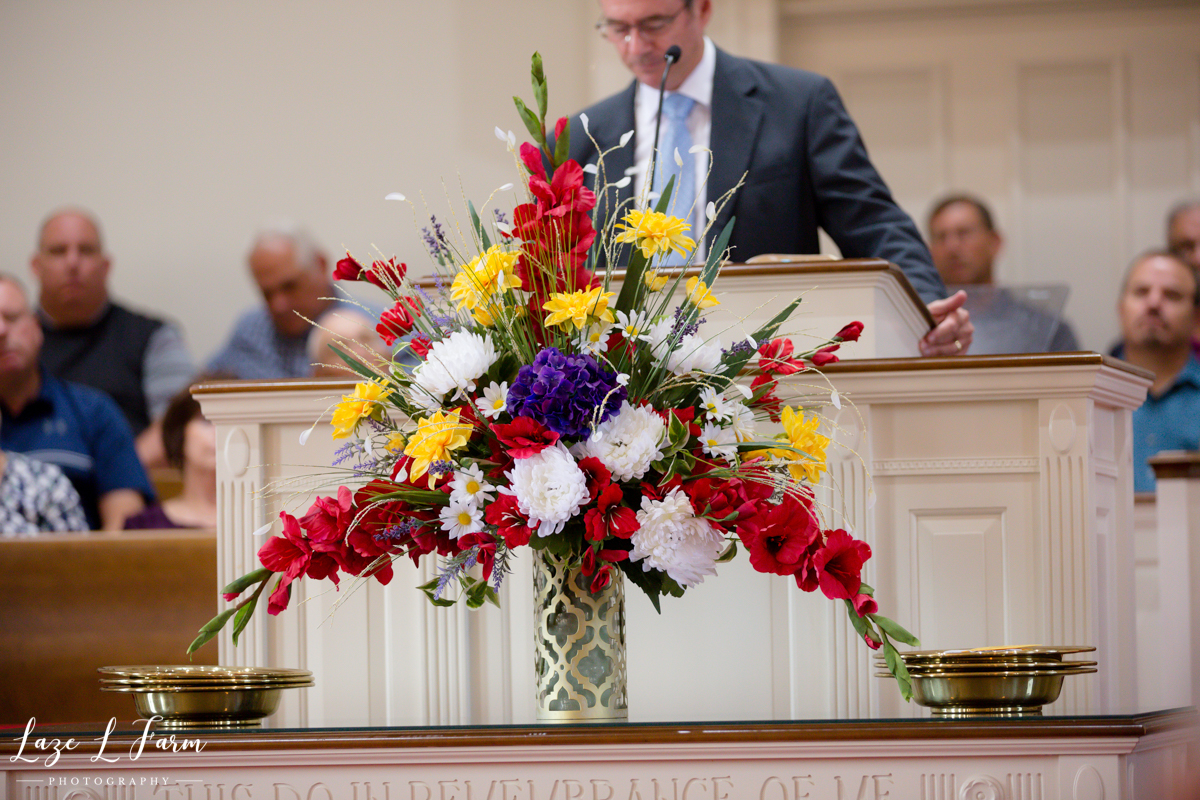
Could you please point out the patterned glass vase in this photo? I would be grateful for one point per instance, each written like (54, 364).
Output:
(579, 645)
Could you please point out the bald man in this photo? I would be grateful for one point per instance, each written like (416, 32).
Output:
(139, 361)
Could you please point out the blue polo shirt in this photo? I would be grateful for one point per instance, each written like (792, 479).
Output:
(82, 431)
(1170, 421)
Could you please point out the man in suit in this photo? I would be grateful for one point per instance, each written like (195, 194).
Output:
(786, 129)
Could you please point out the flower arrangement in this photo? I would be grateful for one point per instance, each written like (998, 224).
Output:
(540, 398)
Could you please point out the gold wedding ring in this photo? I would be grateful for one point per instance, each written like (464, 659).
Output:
(958, 345)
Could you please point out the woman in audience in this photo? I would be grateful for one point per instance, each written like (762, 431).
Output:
(190, 442)
(36, 497)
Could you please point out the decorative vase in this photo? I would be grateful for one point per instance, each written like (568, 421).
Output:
(579, 644)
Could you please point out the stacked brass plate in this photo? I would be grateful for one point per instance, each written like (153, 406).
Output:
(194, 696)
(990, 681)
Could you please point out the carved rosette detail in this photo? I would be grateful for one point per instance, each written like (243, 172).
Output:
(981, 787)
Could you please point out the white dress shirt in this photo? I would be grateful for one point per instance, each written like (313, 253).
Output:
(699, 87)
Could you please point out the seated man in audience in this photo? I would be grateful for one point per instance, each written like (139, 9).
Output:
(354, 333)
(75, 427)
(138, 361)
(1183, 239)
(1158, 311)
(964, 243)
(270, 341)
(36, 497)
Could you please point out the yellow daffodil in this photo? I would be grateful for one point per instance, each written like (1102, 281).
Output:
(579, 308)
(655, 232)
(802, 435)
(367, 401)
(490, 273)
(654, 281)
(700, 295)
(434, 439)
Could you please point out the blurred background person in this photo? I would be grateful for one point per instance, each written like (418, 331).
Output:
(965, 243)
(138, 360)
(36, 497)
(1158, 311)
(354, 333)
(75, 427)
(190, 442)
(1183, 239)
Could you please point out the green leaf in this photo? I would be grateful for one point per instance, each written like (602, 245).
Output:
(246, 581)
(531, 122)
(729, 554)
(638, 263)
(211, 629)
(538, 75)
(479, 229)
(734, 365)
(646, 581)
(429, 589)
(895, 630)
(354, 364)
(242, 618)
(896, 666)
(860, 624)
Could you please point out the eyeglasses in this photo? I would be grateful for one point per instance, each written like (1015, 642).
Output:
(648, 28)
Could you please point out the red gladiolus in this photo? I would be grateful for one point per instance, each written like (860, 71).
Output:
(602, 580)
(598, 476)
(768, 401)
(839, 564)
(398, 320)
(871, 643)
(328, 519)
(725, 502)
(421, 345)
(505, 513)
(348, 270)
(779, 536)
(292, 555)
(825, 356)
(524, 437)
(384, 274)
(865, 604)
(486, 554)
(775, 358)
(851, 332)
(610, 517)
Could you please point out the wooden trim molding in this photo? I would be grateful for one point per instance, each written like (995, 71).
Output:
(1176, 464)
(918, 10)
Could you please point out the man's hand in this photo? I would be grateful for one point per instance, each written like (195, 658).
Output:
(117, 505)
(953, 332)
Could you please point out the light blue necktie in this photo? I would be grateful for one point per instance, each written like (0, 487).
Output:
(676, 136)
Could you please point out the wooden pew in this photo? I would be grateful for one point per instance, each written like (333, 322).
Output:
(77, 602)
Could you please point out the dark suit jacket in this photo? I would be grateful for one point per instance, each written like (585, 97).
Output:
(806, 163)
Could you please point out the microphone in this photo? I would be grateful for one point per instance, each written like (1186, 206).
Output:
(671, 56)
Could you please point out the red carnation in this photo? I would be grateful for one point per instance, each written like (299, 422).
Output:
(524, 437)
(851, 332)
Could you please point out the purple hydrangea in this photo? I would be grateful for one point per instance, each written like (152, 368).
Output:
(563, 391)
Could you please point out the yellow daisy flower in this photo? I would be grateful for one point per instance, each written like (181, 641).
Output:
(367, 401)
(700, 295)
(488, 274)
(395, 442)
(433, 440)
(802, 435)
(655, 232)
(579, 308)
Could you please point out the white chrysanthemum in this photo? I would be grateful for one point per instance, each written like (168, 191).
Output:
(594, 338)
(626, 443)
(673, 539)
(550, 488)
(742, 419)
(693, 354)
(635, 325)
(460, 518)
(719, 442)
(657, 335)
(494, 400)
(469, 486)
(453, 364)
(714, 405)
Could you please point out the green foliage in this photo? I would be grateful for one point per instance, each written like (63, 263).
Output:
(484, 241)
(430, 590)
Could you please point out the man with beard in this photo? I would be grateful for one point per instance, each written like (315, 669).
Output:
(1158, 310)
(785, 129)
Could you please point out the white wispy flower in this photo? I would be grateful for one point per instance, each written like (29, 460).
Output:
(742, 419)
(469, 486)
(625, 137)
(394, 196)
(673, 539)
(657, 336)
(591, 169)
(633, 325)
(693, 354)
(550, 488)
(594, 338)
(714, 405)
(453, 364)
(460, 518)
(494, 400)
(743, 390)
(719, 442)
(583, 118)
(627, 443)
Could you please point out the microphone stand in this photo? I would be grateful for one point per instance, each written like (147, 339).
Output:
(671, 56)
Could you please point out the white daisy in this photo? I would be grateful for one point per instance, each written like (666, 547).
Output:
(468, 486)
(714, 405)
(494, 400)
(460, 518)
(627, 443)
(452, 364)
(633, 326)
(594, 338)
(550, 488)
(742, 418)
(719, 442)
(673, 539)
